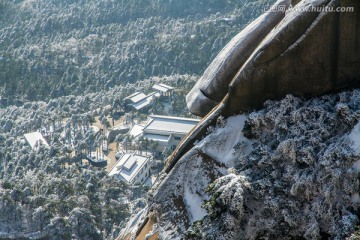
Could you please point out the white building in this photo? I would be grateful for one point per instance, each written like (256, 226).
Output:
(132, 168)
(35, 139)
(139, 101)
(165, 90)
(165, 130)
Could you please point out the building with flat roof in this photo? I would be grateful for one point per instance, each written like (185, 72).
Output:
(163, 89)
(167, 131)
(166, 125)
(135, 97)
(132, 168)
(35, 139)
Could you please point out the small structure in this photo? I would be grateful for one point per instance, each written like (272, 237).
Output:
(97, 160)
(132, 168)
(35, 140)
(164, 90)
(139, 101)
(166, 131)
(135, 98)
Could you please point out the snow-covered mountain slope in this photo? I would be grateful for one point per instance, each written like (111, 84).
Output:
(288, 171)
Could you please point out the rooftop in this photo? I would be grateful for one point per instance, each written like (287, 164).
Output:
(162, 87)
(169, 125)
(136, 97)
(128, 166)
(34, 138)
(129, 163)
(136, 130)
(143, 103)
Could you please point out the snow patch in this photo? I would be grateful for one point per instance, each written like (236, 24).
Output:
(355, 137)
(194, 202)
(355, 198)
(356, 166)
(222, 143)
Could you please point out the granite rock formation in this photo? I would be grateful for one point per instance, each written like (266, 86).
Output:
(287, 171)
(210, 88)
(306, 52)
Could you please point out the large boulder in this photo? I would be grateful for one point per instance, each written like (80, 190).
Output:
(213, 85)
(311, 51)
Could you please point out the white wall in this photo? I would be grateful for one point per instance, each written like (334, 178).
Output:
(143, 174)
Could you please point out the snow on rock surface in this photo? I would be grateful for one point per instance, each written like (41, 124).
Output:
(287, 171)
(194, 202)
(225, 140)
(183, 191)
(355, 137)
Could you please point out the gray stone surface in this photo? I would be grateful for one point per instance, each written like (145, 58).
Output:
(308, 53)
(213, 85)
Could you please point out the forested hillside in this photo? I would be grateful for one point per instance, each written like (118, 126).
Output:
(51, 48)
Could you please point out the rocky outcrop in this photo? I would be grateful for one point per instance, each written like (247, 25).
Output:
(210, 88)
(288, 171)
(310, 52)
